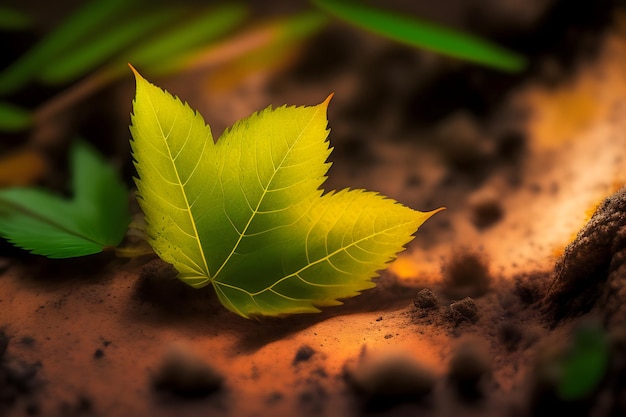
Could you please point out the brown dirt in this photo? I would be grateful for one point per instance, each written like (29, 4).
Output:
(473, 319)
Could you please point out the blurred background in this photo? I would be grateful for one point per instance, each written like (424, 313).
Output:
(510, 113)
(426, 104)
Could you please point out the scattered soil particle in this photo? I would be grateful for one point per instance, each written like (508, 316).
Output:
(425, 299)
(386, 381)
(464, 145)
(465, 275)
(597, 255)
(183, 375)
(510, 335)
(486, 211)
(304, 353)
(463, 311)
(313, 397)
(275, 397)
(468, 371)
(27, 341)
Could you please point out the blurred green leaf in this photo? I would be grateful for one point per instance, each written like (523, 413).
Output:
(11, 19)
(92, 52)
(585, 364)
(424, 34)
(303, 25)
(88, 19)
(46, 224)
(14, 118)
(159, 54)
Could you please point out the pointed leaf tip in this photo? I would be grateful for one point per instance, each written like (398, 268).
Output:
(327, 101)
(135, 72)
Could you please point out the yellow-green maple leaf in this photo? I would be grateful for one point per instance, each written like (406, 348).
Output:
(246, 213)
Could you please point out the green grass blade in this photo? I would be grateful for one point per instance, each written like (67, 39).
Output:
(159, 54)
(14, 118)
(79, 24)
(11, 19)
(92, 52)
(303, 25)
(425, 35)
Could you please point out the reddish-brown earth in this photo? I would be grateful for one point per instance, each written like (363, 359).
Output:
(469, 321)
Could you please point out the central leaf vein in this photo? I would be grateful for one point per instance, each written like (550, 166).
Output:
(265, 190)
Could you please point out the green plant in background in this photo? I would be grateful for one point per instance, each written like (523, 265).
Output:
(585, 364)
(422, 34)
(96, 218)
(246, 213)
(101, 36)
(14, 20)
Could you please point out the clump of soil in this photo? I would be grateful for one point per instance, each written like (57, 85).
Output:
(592, 271)
(181, 374)
(466, 274)
(382, 382)
(425, 299)
(469, 371)
(304, 353)
(464, 310)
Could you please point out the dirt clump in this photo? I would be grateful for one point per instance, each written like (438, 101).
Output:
(592, 271)
(469, 370)
(425, 299)
(382, 382)
(464, 310)
(466, 274)
(183, 375)
(304, 353)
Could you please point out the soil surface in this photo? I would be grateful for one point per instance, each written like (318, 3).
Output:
(487, 311)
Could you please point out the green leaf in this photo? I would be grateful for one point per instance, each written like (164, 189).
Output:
(162, 53)
(246, 213)
(84, 21)
(424, 34)
(11, 19)
(14, 118)
(94, 51)
(46, 224)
